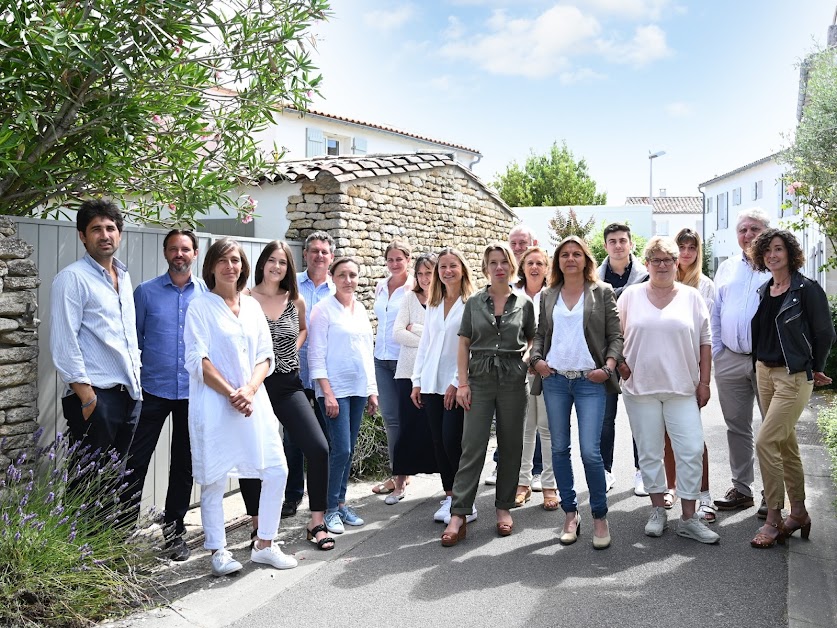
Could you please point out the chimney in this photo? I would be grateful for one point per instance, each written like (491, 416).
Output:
(662, 193)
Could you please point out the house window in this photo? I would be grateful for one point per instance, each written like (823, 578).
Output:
(723, 213)
(332, 146)
(710, 205)
(661, 227)
(736, 196)
(758, 190)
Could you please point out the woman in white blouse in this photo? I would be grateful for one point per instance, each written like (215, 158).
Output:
(413, 451)
(690, 273)
(389, 295)
(435, 380)
(341, 365)
(534, 273)
(231, 422)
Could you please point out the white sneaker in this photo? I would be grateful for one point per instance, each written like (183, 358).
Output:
(656, 522)
(537, 485)
(491, 480)
(468, 518)
(444, 511)
(610, 481)
(695, 528)
(334, 523)
(639, 486)
(273, 556)
(224, 564)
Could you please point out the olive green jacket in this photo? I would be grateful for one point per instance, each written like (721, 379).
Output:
(602, 329)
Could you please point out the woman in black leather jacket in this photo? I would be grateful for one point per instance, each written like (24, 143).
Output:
(792, 335)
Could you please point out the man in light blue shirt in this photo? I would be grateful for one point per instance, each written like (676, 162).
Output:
(93, 336)
(161, 305)
(314, 285)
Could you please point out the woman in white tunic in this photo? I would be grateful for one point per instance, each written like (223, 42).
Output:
(231, 422)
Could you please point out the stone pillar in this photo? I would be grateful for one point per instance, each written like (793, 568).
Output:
(18, 344)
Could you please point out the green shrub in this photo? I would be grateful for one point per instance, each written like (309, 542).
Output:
(827, 422)
(371, 459)
(67, 559)
(831, 362)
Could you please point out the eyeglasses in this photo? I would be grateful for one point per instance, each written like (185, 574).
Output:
(665, 261)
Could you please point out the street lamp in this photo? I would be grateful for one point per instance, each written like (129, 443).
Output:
(651, 158)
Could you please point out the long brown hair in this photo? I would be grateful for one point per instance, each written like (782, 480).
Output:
(557, 275)
(289, 280)
(437, 287)
(690, 276)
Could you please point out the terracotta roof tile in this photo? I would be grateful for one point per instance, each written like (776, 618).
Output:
(670, 204)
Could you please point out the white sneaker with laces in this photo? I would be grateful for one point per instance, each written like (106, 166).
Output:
(223, 563)
(639, 486)
(273, 556)
(537, 485)
(468, 518)
(695, 528)
(656, 522)
(491, 480)
(610, 480)
(444, 511)
(334, 523)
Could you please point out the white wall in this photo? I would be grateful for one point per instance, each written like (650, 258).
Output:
(537, 218)
(670, 224)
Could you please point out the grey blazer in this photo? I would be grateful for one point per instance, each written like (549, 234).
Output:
(602, 329)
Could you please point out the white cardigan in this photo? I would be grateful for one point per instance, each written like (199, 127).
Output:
(411, 312)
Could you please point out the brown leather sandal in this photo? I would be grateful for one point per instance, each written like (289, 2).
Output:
(550, 499)
(794, 523)
(504, 528)
(449, 539)
(763, 540)
(522, 497)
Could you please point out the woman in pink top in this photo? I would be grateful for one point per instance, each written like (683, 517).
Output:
(668, 360)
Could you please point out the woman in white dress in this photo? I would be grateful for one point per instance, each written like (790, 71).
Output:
(231, 422)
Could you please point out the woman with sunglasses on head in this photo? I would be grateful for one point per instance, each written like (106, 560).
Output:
(690, 273)
(284, 309)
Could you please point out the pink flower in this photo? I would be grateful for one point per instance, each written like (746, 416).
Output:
(177, 50)
(790, 189)
(253, 202)
(172, 206)
(156, 119)
(247, 218)
(796, 185)
(151, 139)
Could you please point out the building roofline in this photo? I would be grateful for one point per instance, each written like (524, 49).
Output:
(758, 162)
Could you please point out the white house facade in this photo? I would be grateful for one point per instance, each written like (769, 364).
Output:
(670, 214)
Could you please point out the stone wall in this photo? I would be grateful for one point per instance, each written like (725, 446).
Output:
(18, 344)
(430, 208)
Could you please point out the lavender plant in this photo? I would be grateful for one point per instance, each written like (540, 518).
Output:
(69, 553)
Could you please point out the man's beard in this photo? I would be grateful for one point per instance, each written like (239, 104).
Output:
(179, 268)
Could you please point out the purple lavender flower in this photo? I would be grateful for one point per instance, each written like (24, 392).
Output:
(17, 536)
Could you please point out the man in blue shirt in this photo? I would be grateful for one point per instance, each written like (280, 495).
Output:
(314, 285)
(161, 305)
(93, 337)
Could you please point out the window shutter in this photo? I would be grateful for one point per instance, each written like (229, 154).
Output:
(314, 142)
(358, 146)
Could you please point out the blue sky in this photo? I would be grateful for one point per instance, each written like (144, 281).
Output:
(713, 83)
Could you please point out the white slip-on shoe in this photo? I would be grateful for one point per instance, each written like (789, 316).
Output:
(468, 518)
(273, 556)
(639, 485)
(223, 563)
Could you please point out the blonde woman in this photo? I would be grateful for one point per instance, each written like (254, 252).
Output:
(690, 273)
(435, 378)
(533, 275)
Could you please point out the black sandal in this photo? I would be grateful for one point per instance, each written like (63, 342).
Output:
(253, 535)
(312, 536)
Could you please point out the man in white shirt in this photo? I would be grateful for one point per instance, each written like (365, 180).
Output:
(736, 302)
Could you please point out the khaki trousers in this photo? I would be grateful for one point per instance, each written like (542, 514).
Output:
(782, 398)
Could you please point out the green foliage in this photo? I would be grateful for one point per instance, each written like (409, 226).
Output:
(831, 361)
(371, 459)
(707, 257)
(156, 103)
(67, 558)
(827, 422)
(812, 160)
(561, 226)
(546, 180)
(597, 247)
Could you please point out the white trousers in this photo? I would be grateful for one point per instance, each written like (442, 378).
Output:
(270, 507)
(651, 416)
(536, 421)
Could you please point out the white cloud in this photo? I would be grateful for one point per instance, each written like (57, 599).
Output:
(529, 47)
(389, 20)
(581, 75)
(678, 110)
(632, 9)
(455, 30)
(648, 44)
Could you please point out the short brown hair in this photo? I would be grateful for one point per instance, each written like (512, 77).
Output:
(521, 271)
(557, 275)
(218, 249)
(344, 260)
(399, 244)
(759, 246)
(289, 280)
(506, 251)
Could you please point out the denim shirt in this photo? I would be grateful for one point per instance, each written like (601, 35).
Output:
(494, 345)
(312, 295)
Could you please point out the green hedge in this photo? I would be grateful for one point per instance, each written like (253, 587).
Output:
(371, 459)
(827, 422)
(831, 363)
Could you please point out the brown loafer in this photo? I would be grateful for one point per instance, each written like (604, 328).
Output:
(734, 500)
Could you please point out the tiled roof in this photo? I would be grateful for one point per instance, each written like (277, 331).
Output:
(670, 204)
(757, 162)
(350, 167)
(380, 127)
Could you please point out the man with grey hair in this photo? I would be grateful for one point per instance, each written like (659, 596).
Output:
(521, 238)
(736, 302)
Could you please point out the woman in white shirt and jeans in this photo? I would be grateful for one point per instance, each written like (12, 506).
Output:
(341, 365)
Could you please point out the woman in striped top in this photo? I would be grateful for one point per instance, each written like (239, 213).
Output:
(277, 293)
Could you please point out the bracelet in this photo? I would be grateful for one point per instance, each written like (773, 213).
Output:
(89, 403)
(466, 384)
(703, 384)
(607, 370)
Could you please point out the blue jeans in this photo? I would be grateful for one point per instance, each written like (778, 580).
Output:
(342, 435)
(560, 394)
(388, 401)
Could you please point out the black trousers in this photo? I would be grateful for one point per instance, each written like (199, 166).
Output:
(155, 410)
(110, 427)
(446, 430)
(293, 409)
